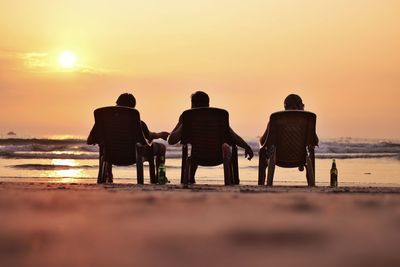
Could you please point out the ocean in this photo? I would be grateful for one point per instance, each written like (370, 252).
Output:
(361, 162)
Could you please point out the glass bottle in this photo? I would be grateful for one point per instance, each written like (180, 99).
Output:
(334, 174)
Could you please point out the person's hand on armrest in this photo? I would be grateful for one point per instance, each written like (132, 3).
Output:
(248, 153)
(91, 140)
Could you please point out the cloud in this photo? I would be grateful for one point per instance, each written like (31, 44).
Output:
(36, 60)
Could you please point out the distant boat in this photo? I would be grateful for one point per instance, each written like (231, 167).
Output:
(11, 133)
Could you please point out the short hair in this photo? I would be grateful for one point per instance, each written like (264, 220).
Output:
(126, 100)
(293, 102)
(200, 99)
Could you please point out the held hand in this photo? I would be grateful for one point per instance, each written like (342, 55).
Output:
(163, 135)
(248, 153)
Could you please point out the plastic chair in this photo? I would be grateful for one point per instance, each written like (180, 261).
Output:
(122, 142)
(290, 144)
(206, 142)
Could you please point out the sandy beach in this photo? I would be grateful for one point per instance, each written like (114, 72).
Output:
(49, 224)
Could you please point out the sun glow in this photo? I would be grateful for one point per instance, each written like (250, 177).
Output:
(67, 60)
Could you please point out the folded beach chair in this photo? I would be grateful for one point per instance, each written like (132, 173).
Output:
(290, 143)
(206, 142)
(121, 141)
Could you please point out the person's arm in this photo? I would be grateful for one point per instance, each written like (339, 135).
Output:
(248, 152)
(92, 138)
(263, 138)
(150, 136)
(162, 135)
(176, 134)
(316, 140)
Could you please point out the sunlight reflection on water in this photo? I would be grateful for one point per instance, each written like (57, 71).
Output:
(372, 172)
(64, 162)
(67, 175)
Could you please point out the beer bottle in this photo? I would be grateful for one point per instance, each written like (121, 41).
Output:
(162, 179)
(334, 174)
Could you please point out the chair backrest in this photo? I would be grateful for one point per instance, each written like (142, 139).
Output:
(206, 129)
(291, 132)
(119, 129)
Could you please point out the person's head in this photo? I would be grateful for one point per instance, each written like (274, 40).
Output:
(200, 99)
(126, 100)
(293, 102)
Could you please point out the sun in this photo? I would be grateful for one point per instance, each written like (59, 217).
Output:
(67, 60)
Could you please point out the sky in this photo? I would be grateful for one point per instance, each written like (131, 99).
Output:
(341, 57)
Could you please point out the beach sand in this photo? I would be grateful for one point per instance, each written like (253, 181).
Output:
(128, 225)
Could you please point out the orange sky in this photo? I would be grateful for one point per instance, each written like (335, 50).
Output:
(342, 57)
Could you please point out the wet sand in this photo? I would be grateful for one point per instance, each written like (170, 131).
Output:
(45, 224)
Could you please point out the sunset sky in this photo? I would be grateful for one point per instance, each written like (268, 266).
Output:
(342, 57)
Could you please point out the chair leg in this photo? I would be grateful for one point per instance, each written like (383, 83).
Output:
(227, 162)
(108, 173)
(193, 169)
(184, 163)
(262, 165)
(100, 175)
(186, 171)
(152, 170)
(310, 172)
(235, 165)
(271, 168)
(139, 163)
(312, 158)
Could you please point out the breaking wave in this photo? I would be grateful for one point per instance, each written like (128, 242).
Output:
(35, 148)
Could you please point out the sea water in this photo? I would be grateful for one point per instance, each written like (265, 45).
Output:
(361, 162)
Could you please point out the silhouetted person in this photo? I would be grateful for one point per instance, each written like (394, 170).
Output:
(200, 100)
(128, 100)
(292, 102)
